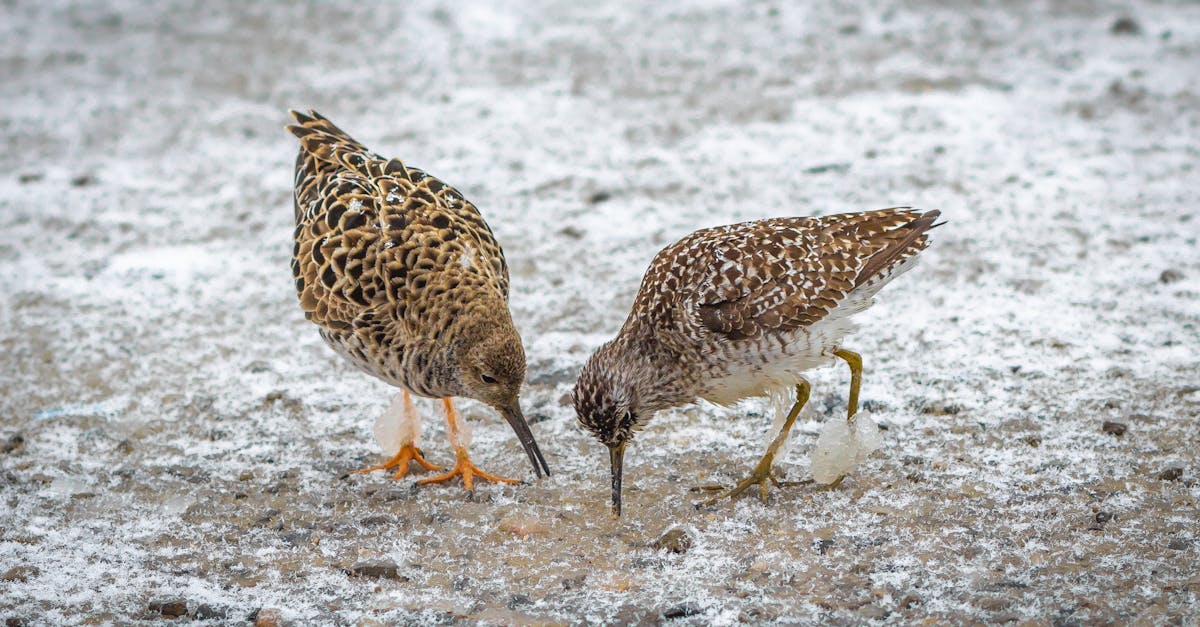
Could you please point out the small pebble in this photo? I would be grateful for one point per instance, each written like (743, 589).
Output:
(267, 617)
(207, 612)
(1114, 428)
(598, 197)
(681, 611)
(376, 569)
(1178, 544)
(1170, 275)
(675, 541)
(1171, 474)
(171, 608)
(1103, 517)
(823, 545)
(1125, 25)
(12, 444)
(517, 600)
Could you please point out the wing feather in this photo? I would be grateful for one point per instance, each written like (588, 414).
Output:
(777, 275)
(371, 230)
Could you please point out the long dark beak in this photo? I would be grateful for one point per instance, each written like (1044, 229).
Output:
(517, 421)
(616, 455)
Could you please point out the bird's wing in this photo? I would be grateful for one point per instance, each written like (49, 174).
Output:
(370, 230)
(748, 279)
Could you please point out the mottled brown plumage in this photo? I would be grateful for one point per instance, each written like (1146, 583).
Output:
(741, 310)
(404, 278)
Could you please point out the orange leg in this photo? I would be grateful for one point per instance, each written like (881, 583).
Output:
(407, 453)
(463, 466)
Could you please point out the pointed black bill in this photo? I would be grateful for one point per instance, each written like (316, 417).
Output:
(516, 420)
(616, 455)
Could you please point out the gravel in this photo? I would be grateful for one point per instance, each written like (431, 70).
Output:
(173, 429)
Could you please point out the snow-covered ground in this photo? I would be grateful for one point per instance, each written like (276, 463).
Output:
(172, 430)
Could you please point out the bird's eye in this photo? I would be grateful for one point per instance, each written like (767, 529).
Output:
(487, 378)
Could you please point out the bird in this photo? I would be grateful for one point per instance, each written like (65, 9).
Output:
(739, 311)
(405, 279)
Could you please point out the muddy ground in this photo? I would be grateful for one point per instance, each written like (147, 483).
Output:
(175, 438)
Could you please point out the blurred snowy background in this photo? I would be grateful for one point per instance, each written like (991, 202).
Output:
(174, 437)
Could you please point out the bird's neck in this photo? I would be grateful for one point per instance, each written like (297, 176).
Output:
(654, 370)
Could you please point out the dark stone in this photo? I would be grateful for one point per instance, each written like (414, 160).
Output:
(572, 232)
(207, 612)
(517, 600)
(1125, 25)
(681, 611)
(827, 167)
(598, 197)
(84, 180)
(376, 569)
(15, 442)
(1114, 428)
(1170, 275)
(1178, 544)
(1171, 474)
(171, 608)
(675, 541)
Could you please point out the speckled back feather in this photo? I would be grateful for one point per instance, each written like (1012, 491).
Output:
(749, 279)
(385, 255)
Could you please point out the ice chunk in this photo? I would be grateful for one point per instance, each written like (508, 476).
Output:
(397, 426)
(843, 445)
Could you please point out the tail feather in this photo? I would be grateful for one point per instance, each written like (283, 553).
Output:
(911, 240)
(324, 141)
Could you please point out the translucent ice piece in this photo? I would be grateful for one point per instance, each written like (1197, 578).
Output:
(842, 446)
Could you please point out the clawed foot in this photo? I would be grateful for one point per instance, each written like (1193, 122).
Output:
(761, 479)
(399, 463)
(465, 468)
(755, 478)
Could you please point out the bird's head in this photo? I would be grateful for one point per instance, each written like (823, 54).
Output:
(607, 401)
(491, 369)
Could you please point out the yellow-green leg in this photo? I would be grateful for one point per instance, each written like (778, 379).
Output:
(762, 472)
(854, 360)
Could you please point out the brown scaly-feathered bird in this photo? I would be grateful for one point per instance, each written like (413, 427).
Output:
(738, 311)
(405, 279)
